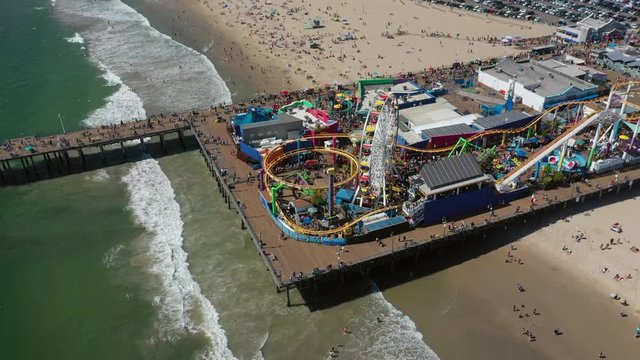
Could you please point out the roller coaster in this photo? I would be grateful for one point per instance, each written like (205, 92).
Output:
(608, 115)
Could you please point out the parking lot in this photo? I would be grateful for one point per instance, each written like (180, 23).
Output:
(557, 12)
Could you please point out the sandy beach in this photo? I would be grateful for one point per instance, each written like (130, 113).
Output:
(562, 291)
(269, 45)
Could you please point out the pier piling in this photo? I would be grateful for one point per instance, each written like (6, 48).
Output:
(68, 160)
(288, 298)
(84, 161)
(164, 146)
(24, 167)
(181, 137)
(33, 165)
(104, 157)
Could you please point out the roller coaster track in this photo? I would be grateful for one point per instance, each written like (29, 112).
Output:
(269, 164)
(303, 230)
(269, 167)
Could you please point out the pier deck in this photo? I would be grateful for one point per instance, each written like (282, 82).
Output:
(54, 149)
(92, 137)
(239, 187)
(284, 257)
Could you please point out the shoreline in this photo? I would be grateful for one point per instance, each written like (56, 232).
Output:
(250, 66)
(545, 275)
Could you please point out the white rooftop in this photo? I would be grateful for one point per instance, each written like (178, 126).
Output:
(537, 77)
(428, 114)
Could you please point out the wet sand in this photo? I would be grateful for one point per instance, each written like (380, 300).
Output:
(466, 310)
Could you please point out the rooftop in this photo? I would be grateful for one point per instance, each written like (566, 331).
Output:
(281, 119)
(593, 23)
(567, 69)
(428, 114)
(405, 87)
(451, 170)
(496, 121)
(456, 129)
(617, 55)
(536, 77)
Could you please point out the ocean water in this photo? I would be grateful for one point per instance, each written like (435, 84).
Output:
(142, 260)
(44, 73)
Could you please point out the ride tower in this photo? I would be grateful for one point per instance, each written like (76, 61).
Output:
(382, 150)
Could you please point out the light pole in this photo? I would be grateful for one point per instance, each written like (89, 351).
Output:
(61, 123)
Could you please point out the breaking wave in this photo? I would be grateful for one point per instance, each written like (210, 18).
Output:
(182, 308)
(123, 105)
(396, 337)
(76, 39)
(164, 74)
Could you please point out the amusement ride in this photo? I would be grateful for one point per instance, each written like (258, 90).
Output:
(330, 191)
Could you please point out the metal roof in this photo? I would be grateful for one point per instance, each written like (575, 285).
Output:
(450, 170)
(619, 56)
(456, 129)
(281, 119)
(382, 224)
(495, 121)
(536, 77)
(593, 23)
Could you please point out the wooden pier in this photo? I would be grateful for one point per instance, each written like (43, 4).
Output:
(315, 263)
(56, 151)
(237, 183)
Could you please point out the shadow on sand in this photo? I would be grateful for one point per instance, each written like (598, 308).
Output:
(455, 252)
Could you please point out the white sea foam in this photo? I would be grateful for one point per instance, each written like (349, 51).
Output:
(182, 307)
(76, 39)
(123, 105)
(396, 337)
(110, 258)
(101, 176)
(166, 75)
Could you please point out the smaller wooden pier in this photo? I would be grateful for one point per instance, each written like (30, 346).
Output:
(18, 157)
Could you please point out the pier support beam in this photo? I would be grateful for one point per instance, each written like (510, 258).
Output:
(124, 152)
(84, 161)
(24, 167)
(47, 159)
(142, 145)
(33, 165)
(181, 137)
(162, 144)
(104, 157)
(68, 160)
(288, 298)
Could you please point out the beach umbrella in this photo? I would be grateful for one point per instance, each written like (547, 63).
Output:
(284, 93)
